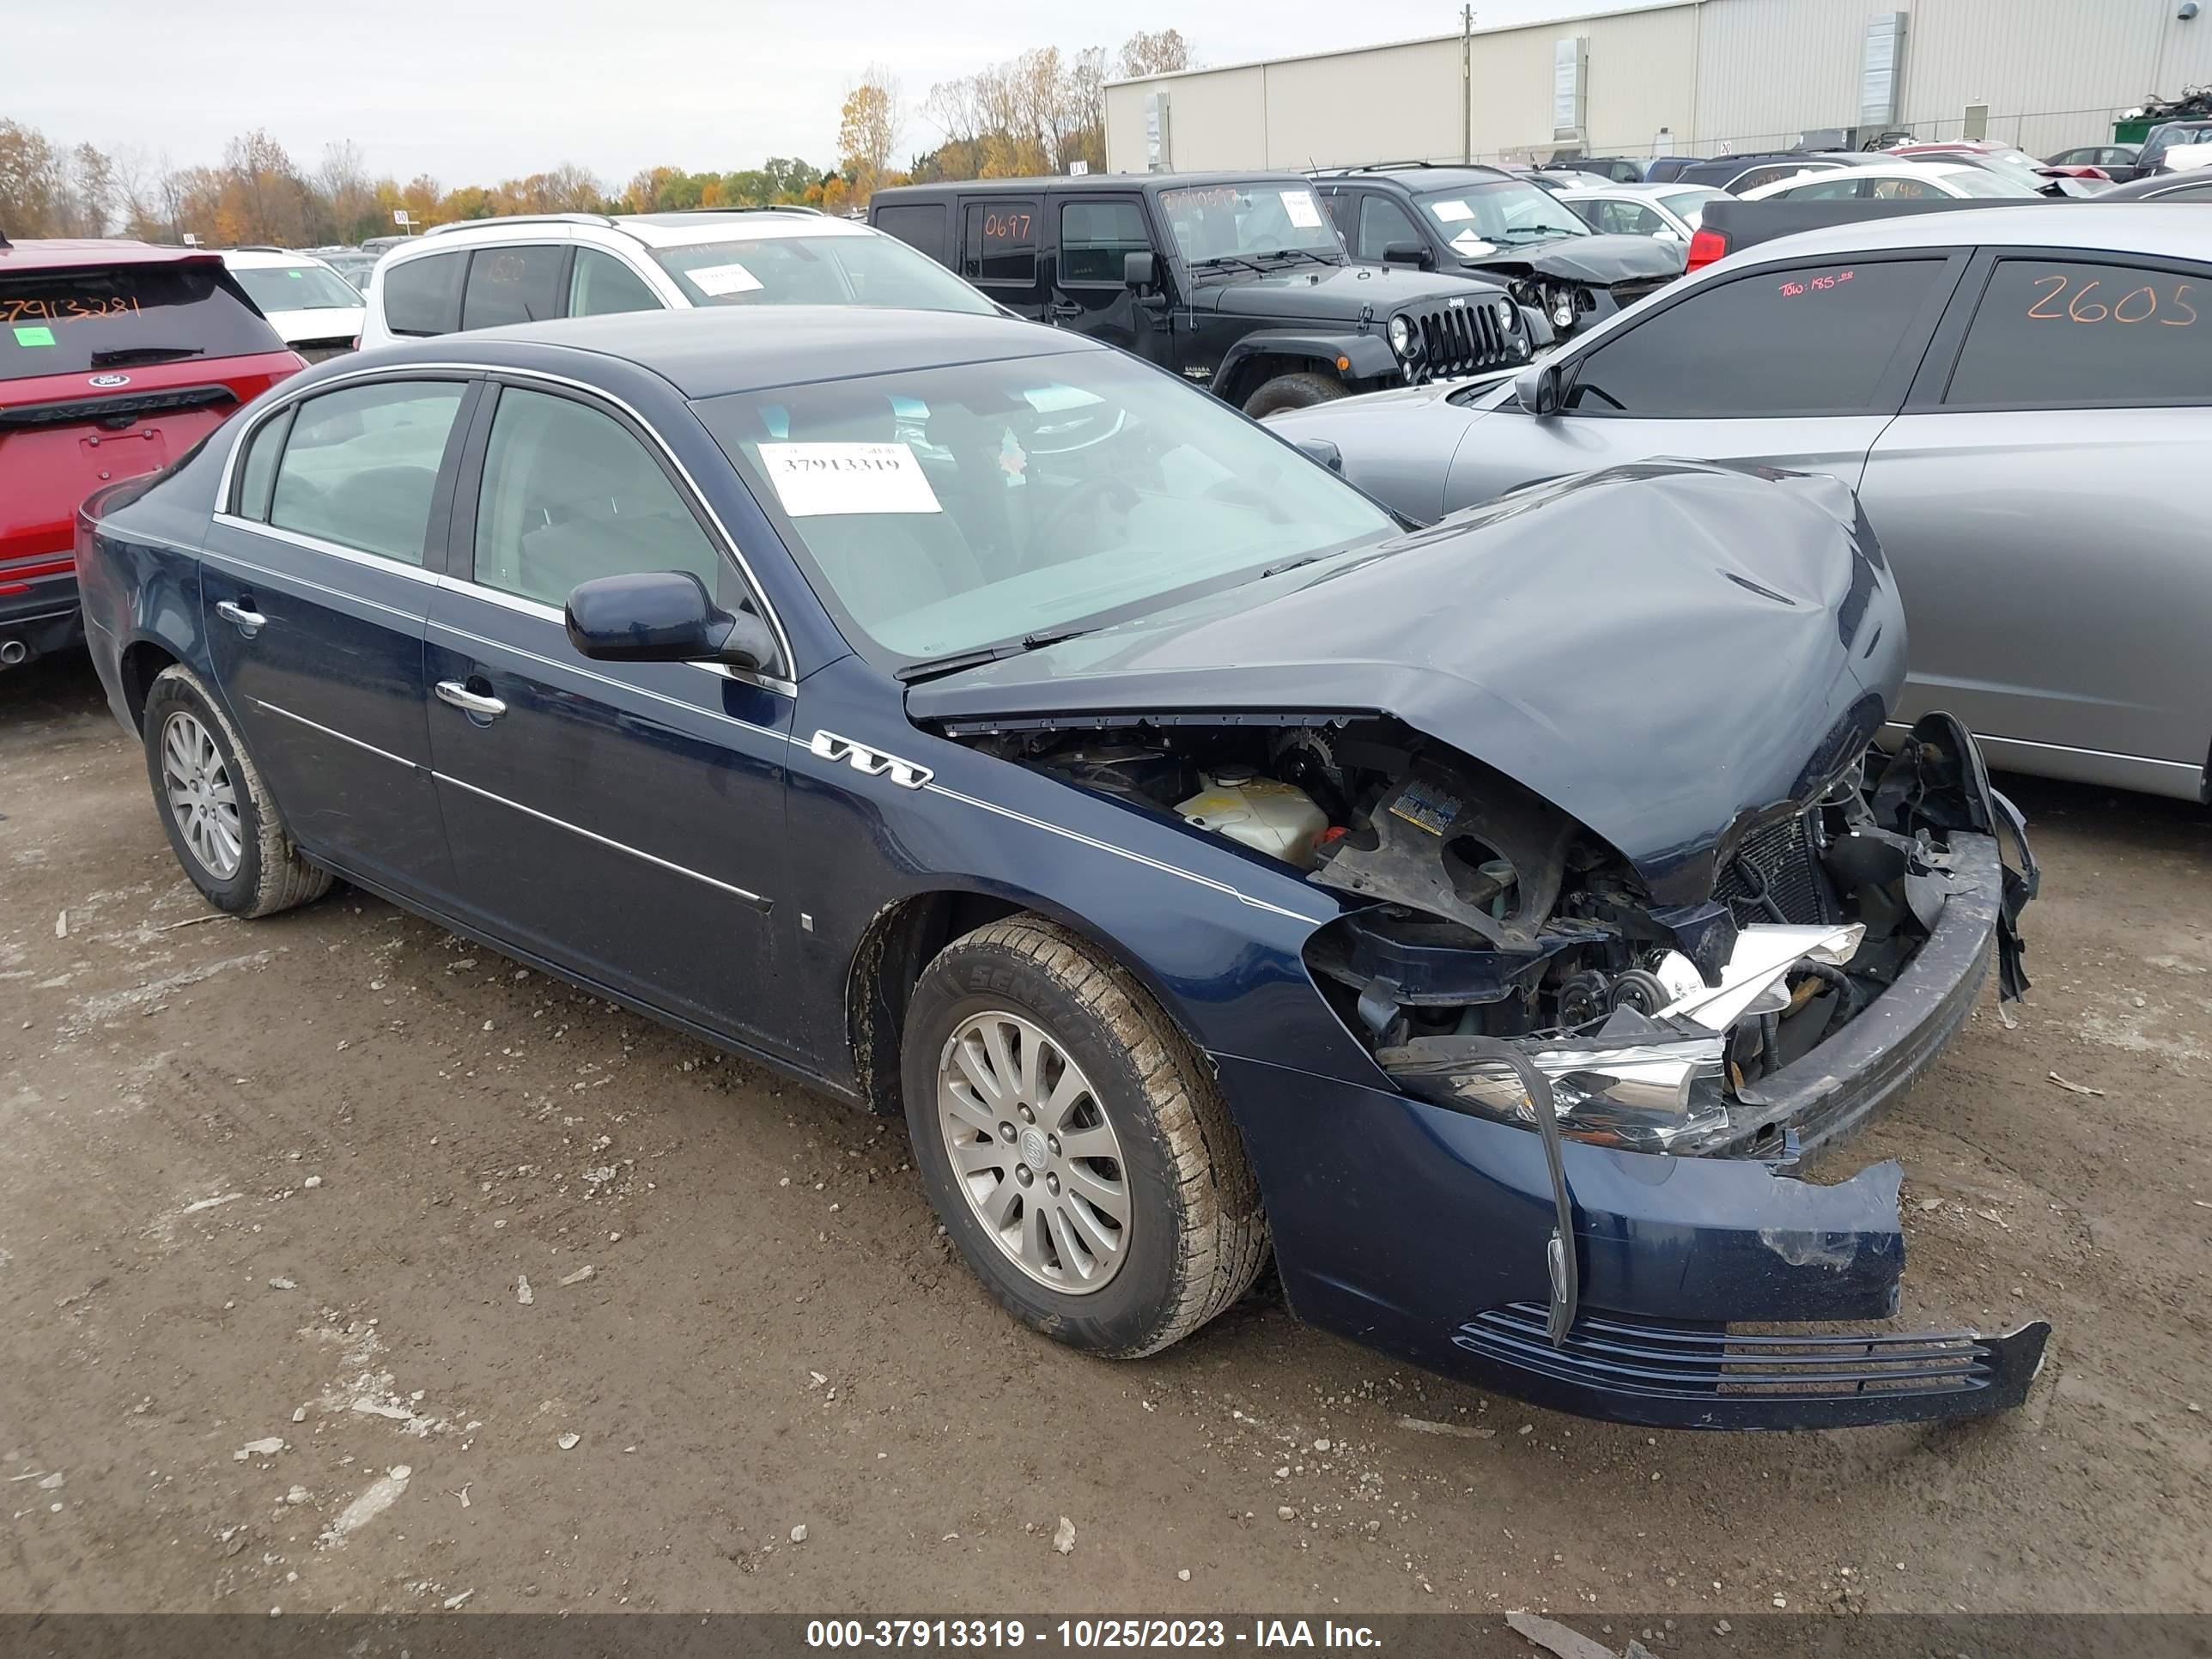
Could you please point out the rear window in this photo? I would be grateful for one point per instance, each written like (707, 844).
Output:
(74, 322)
(919, 226)
(423, 296)
(297, 288)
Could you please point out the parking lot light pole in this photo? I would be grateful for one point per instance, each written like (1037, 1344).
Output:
(1467, 85)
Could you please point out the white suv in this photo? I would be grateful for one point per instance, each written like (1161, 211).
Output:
(486, 272)
(316, 311)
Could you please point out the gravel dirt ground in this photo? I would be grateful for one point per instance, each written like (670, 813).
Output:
(270, 1193)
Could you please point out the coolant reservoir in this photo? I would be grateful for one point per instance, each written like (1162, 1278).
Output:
(1279, 819)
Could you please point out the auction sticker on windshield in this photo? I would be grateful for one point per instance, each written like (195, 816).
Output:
(816, 480)
(1299, 204)
(718, 280)
(1452, 213)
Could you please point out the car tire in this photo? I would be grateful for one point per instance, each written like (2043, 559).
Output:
(222, 823)
(1301, 391)
(1193, 1235)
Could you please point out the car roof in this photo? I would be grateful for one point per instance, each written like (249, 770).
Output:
(57, 252)
(2155, 184)
(1891, 170)
(1087, 181)
(2109, 227)
(1598, 186)
(265, 258)
(653, 229)
(714, 350)
(1417, 176)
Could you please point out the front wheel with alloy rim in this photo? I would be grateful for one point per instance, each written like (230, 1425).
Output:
(1073, 1144)
(222, 823)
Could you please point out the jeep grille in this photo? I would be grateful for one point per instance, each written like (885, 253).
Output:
(1463, 340)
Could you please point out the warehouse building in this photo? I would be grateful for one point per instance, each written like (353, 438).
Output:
(1699, 77)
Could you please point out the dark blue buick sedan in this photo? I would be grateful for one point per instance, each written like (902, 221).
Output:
(980, 724)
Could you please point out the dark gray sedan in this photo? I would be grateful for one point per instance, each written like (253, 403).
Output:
(2022, 397)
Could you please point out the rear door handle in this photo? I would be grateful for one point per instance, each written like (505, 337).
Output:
(247, 621)
(469, 702)
(1066, 310)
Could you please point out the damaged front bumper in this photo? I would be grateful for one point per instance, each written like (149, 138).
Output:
(1714, 1292)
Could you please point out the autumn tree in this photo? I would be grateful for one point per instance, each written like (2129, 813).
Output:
(31, 183)
(867, 133)
(1157, 53)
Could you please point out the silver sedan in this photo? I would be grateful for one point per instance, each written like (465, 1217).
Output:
(2022, 399)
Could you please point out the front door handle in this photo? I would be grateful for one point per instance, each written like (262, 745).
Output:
(248, 622)
(469, 702)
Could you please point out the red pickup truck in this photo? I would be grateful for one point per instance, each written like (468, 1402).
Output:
(116, 357)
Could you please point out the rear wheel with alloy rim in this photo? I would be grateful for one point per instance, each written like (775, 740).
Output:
(222, 824)
(1077, 1151)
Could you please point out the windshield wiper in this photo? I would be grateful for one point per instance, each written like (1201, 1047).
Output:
(930, 668)
(1296, 253)
(145, 353)
(1220, 260)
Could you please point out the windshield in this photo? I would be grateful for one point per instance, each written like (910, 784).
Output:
(65, 322)
(1486, 216)
(805, 271)
(1978, 181)
(1689, 205)
(942, 510)
(1223, 222)
(296, 287)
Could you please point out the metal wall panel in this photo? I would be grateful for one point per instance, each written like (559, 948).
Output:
(1391, 104)
(1733, 74)
(2054, 73)
(1768, 71)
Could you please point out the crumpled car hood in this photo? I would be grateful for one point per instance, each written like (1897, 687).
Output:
(1669, 652)
(1602, 260)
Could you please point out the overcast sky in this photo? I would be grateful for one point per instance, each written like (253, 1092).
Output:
(473, 91)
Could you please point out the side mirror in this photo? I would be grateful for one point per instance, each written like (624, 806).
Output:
(1536, 388)
(1418, 254)
(1321, 450)
(1139, 270)
(663, 615)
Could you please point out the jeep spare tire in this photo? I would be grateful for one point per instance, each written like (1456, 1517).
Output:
(1301, 391)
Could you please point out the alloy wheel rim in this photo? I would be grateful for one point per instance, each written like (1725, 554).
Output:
(201, 797)
(1034, 1154)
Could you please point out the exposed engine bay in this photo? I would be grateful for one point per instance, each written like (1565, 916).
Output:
(1498, 919)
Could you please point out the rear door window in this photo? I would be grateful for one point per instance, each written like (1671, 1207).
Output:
(999, 242)
(920, 225)
(423, 296)
(513, 285)
(72, 322)
(2057, 334)
(360, 466)
(1814, 340)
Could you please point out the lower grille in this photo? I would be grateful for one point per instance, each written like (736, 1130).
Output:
(1705, 1360)
(1782, 863)
(1461, 340)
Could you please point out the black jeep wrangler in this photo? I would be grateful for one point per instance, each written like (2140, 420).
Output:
(1235, 280)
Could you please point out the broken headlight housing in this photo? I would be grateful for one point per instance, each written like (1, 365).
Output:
(1654, 1082)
